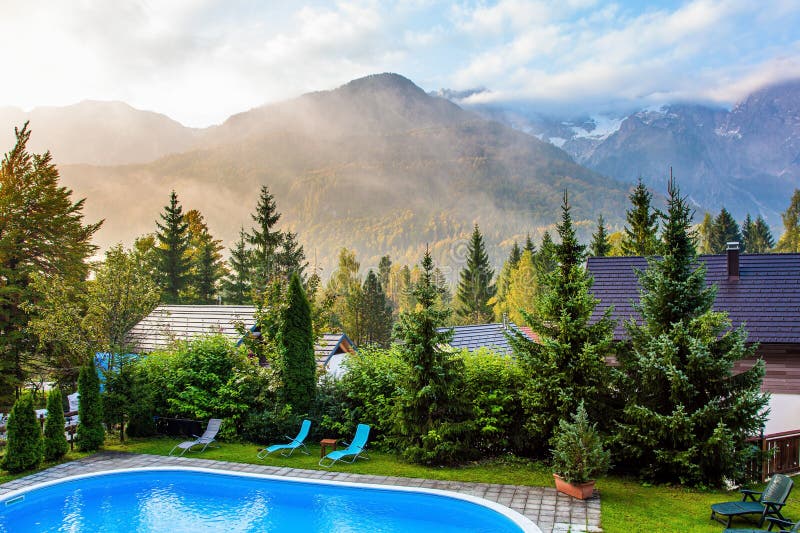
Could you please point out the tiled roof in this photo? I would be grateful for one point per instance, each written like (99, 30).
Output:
(168, 323)
(328, 344)
(766, 297)
(491, 336)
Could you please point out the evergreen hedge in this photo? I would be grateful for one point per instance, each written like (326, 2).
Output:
(55, 441)
(90, 434)
(24, 448)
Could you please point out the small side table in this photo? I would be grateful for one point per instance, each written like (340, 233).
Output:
(324, 444)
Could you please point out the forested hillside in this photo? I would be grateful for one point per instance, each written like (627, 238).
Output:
(376, 165)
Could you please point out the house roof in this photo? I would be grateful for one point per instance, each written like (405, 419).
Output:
(491, 336)
(766, 297)
(168, 323)
(330, 344)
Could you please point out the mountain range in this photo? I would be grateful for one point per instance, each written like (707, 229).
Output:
(380, 166)
(746, 158)
(377, 166)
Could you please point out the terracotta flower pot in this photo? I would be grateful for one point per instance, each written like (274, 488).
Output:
(581, 491)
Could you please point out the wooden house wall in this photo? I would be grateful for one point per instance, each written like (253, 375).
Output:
(782, 367)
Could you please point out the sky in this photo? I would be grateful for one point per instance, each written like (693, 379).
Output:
(200, 61)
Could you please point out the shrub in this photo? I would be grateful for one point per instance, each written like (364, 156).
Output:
(371, 385)
(208, 377)
(578, 455)
(271, 424)
(24, 447)
(55, 442)
(492, 382)
(90, 434)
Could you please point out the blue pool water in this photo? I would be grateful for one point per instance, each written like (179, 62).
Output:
(178, 501)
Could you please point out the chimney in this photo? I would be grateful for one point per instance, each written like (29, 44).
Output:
(733, 261)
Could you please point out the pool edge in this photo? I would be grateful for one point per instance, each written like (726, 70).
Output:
(523, 522)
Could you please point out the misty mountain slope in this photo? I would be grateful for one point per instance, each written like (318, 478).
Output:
(100, 133)
(376, 165)
(746, 159)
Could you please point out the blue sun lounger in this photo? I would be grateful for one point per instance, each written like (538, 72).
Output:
(354, 449)
(295, 443)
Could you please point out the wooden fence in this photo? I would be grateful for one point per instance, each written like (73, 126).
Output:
(779, 454)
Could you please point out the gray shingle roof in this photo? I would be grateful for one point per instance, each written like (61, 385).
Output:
(329, 344)
(168, 323)
(473, 337)
(766, 297)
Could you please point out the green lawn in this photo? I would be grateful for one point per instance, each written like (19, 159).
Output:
(627, 506)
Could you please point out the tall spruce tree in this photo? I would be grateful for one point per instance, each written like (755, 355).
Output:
(237, 288)
(724, 230)
(475, 288)
(545, 260)
(433, 416)
(298, 368)
(568, 364)
(686, 417)
(291, 257)
(600, 246)
(529, 246)
(265, 240)
(377, 313)
(207, 266)
(757, 236)
(41, 233)
(790, 240)
(172, 258)
(515, 254)
(90, 434)
(641, 230)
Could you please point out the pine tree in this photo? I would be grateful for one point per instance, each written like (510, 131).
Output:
(568, 364)
(529, 246)
(500, 301)
(377, 313)
(432, 415)
(41, 233)
(516, 253)
(724, 230)
(523, 287)
(291, 258)
(172, 256)
(298, 367)
(790, 240)
(759, 238)
(265, 240)
(642, 224)
(686, 416)
(704, 230)
(237, 288)
(55, 442)
(207, 267)
(90, 434)
(344, 288)
(24, 436)
(385, 274)
(475, 288)
(545, 259)
(600, 247)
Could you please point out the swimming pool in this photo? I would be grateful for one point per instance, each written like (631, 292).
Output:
(178, 500)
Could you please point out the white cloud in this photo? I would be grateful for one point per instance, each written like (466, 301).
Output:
(201, 60)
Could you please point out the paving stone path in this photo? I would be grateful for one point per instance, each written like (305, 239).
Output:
(551, 511)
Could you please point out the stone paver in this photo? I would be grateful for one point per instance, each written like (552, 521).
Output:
(551, 511)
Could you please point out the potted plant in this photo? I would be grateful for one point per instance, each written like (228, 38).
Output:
(578, 455)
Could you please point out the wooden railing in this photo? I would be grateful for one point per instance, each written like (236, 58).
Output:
(779, 454)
